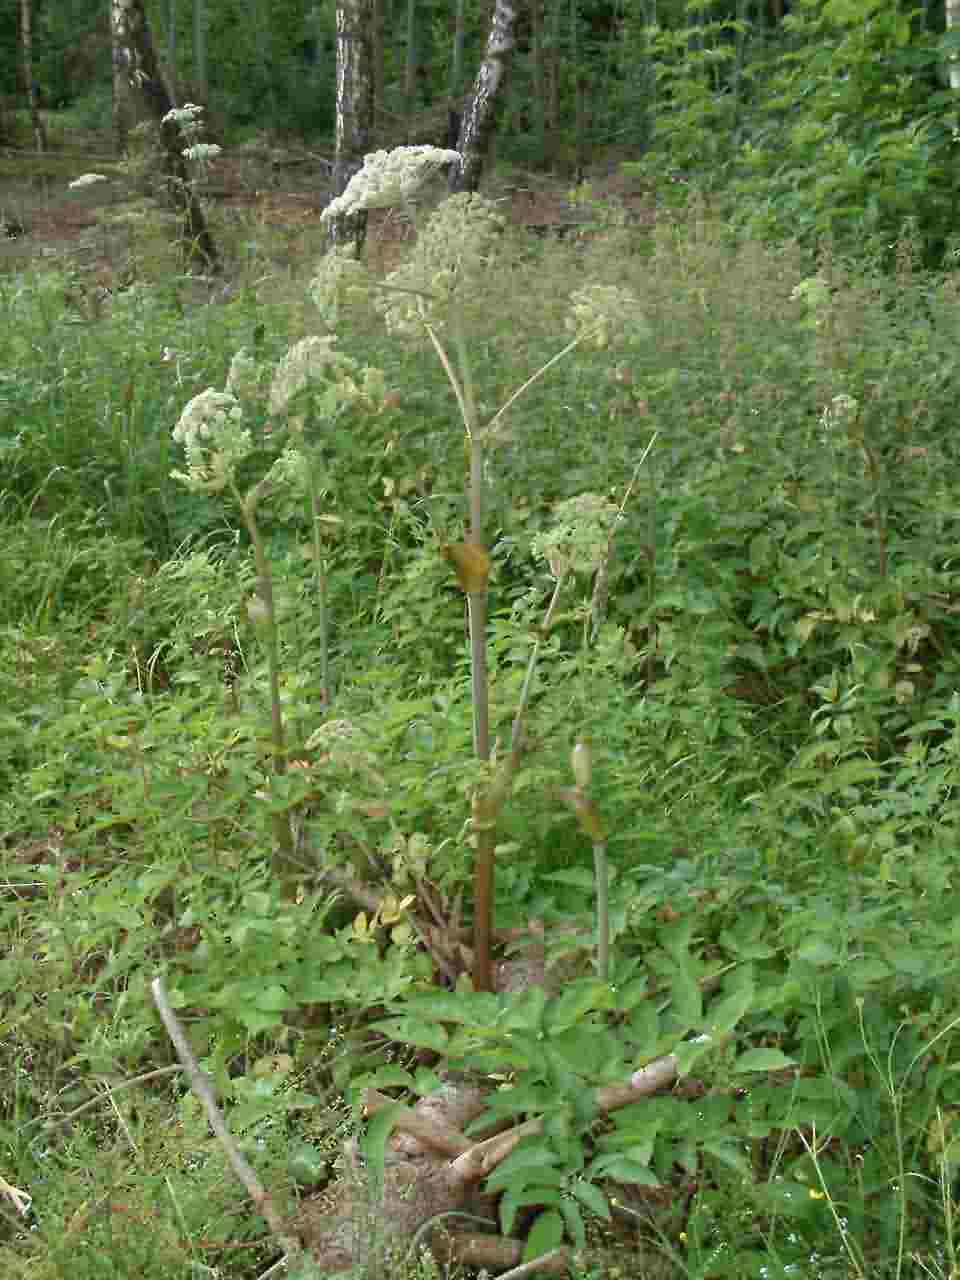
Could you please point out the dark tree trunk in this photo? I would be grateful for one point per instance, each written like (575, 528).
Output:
(483, 113)
(29, 80)
(136, 55)
(355, 99)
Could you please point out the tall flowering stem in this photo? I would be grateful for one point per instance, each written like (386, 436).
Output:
(215, 441)
(286, 863)
(472, 564)
(426, 295)
(320, 583)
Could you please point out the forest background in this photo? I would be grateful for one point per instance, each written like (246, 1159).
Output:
(571, 573)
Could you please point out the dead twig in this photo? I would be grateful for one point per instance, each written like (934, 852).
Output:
(202, 1086)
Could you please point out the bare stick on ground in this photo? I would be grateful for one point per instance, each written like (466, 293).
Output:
(201, 1085)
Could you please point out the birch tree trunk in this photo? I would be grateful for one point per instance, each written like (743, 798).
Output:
(137, 57)
(539, 80)
(29, 83)
(354, 110)
(123, 111)
(481, 117)
(378, 54)
(952, 8)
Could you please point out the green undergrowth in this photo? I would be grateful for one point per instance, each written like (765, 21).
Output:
(771, 697)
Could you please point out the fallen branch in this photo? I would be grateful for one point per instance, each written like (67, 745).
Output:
(475, 1160)
(201, 1085)
(431, 1173)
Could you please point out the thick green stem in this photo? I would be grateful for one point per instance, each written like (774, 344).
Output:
(489, 799)
(603, 909)
(320, 581)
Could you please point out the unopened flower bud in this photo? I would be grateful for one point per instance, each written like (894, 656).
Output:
(581, 762)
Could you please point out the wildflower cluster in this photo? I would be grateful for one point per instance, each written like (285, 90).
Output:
(87, 180)
(211, 425)
(189, 120)
(337, 381)
(388, 178)
(340, 280)
(455, 251)
(201, 152)
(187, 117)
(608, 314)
(214, 441)
(579, 539)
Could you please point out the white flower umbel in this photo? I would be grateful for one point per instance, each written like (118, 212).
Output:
(305, 362)
(336, 380)
(579, 539)
(454, 252)
(339, 281)
(388, 178)
(87, 180)
(202, 152)
(187, 117)
(606, 315)
(214, 440)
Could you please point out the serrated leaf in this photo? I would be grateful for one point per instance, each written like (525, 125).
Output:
(256, 1023)
(422, 1035)
(723, 1016)
(819, 952)
(686, 1002)
(631, 994)
(574, 1220)
(524, 1012)
(467, 1008)
(526, 1158)
(388, 1077)
(762, 1060)
(273, 997)
(545, 1235)
(590, 1195)
(728, 1154)
(576, 877)
(578, 999)
(644, 1029)
(622, 1169)
(588, 1050)
(689, 1051)
(792, 1199)
(511, 1201)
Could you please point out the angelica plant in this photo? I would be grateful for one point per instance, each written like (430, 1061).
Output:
(428, 297)
(309, 389)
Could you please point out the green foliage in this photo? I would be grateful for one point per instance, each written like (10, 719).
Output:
(842, 128)
(769, 689)
(873, 145)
